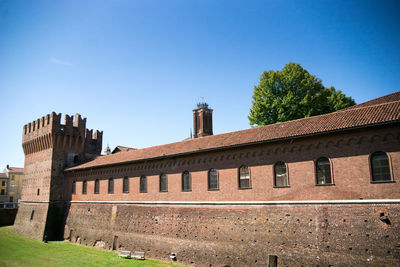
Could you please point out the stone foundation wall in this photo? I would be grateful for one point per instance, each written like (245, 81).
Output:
(244, 235)
(31, 219)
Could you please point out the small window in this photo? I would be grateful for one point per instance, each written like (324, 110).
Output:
(84, 187)
(73, 187)
(96, 186)
(280, 174)
(2, 192)
(38, 191)
(143, 184)
(163, 183)
(380, 167)
(244, 177)
(323, 171)
(76, 159)
(32, 213)
(213, 179)
(125, 185)
(111, 186)
(3, 183)
(186, 181)
(11, 199)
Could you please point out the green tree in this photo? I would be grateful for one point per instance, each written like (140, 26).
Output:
(293, 93)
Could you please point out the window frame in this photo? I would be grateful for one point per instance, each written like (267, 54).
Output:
(287, 174)
(330, 169)
(162, 190)
(143, 184)
(209, 180)
(96, 189)
(371, 168)
(125, 185)
(111, 185)
(189, 189)
(73, 187)
(84, 187)
(239, 179)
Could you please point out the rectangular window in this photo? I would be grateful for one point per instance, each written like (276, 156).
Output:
(163, 183)
(244, 177)
(111, 186)
(96, 186)
(125, 186)
(143, 184)
(84, 187)
(3, 183)
(2, 192)
(73, 187)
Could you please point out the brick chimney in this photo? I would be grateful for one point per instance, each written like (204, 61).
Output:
(202, 120)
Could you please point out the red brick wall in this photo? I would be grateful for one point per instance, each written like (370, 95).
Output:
(300, 235)
(244, 235)
(349, 155)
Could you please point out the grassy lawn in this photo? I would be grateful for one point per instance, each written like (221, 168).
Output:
(17, 250)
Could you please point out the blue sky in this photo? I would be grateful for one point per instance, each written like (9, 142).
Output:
(135, 69)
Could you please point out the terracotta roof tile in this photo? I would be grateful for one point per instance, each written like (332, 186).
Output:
(358, 116)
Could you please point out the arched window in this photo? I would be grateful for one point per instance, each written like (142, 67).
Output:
(323, 171)
(163, 183)
(96, 186)
(280, 174)
(186, 181)
(125, 185)
(84, 187)
(244, 177)
(380, 167)
(143, 184)
(74, 187)
(213, 179)
(111, 186)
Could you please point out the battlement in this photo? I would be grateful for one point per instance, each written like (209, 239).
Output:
(51, 123)
(48, 131)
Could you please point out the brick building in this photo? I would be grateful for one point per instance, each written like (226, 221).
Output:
(321, 191)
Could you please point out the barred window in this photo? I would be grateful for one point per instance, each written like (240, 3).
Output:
(125, 185)
(186, 181)
(280, 174)
(163, 183)
(74, 187)
(84, 187)
(212, 179)
(380, 167)
(96, 186)
(143, 184)
(244, 177)
(111, 186)
(323, 171)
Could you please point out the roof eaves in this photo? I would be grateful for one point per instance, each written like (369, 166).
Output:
(76, 168)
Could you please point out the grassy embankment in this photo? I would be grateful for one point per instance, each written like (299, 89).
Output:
(17, 250)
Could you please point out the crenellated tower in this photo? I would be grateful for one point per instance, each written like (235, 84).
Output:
(49, 148)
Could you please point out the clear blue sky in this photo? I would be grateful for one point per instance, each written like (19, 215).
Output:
(136, 69)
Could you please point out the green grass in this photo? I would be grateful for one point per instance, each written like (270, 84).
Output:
(16, 250)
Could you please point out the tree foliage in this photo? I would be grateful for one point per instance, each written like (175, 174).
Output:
(293, 93)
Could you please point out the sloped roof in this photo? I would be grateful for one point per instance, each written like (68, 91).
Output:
(122, 149)
(381, 111)
(15, 169)
(3, 175)
(383, 99)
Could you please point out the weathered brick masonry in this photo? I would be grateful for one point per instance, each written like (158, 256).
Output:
(352, 220)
